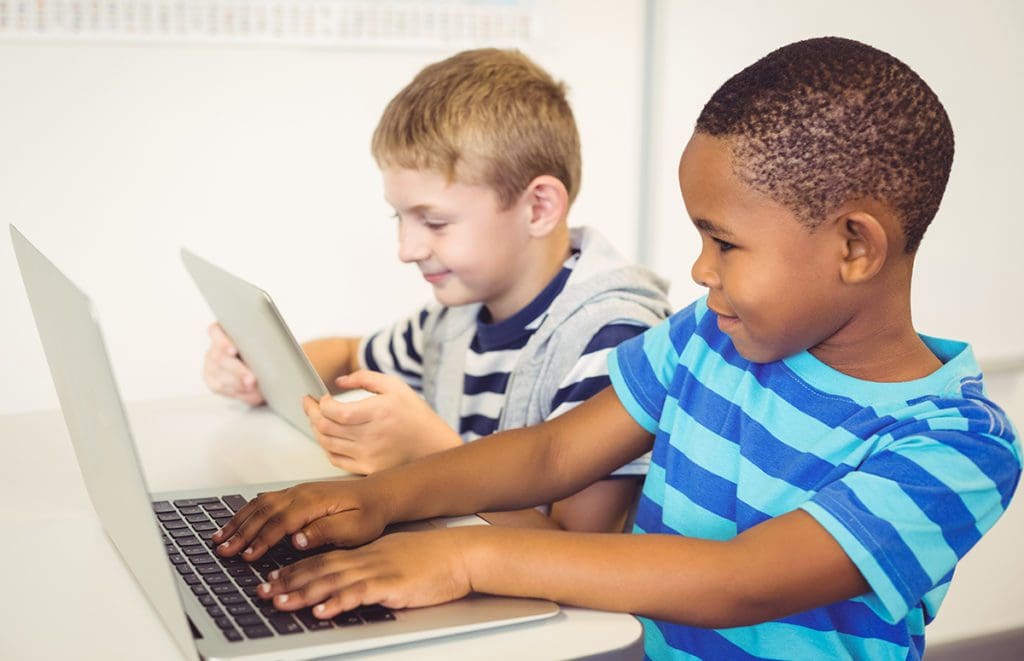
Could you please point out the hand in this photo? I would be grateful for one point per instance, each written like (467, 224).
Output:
(225, 373)
(400, 570)
(346, 513)
(393, 428)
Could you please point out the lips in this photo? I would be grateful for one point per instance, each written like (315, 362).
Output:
(434, 278)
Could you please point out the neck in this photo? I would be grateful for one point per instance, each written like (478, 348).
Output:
(878, 342)
(541, 262)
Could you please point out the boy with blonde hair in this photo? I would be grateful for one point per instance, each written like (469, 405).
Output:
(480, 159)
(818, 467)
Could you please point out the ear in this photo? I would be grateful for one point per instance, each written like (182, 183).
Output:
(865, 246)
(547, 203)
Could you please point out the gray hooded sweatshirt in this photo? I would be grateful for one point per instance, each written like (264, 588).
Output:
(603, 288)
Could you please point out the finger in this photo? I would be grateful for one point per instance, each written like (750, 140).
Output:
(370, 380)
(349, 413)
(258, 526)
(338, 419)
(220, 339)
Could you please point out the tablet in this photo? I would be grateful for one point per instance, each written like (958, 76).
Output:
(252, 322)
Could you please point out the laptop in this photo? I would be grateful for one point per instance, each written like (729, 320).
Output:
(206, 602)
(252, 321)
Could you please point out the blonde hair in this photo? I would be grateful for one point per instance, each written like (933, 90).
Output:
(486, 116)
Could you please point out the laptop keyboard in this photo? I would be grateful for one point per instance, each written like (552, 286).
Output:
(226, 587)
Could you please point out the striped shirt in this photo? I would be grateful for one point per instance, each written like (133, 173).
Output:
(492, 358)
(905, 476)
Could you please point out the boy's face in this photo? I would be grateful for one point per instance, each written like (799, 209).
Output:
(467, 247)
(774, 285)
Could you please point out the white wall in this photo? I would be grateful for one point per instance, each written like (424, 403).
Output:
(112, 155)
(968, 276)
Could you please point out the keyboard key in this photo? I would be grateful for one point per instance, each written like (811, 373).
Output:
(216, 579)
(224, 622)
(181, 534)
(311, 622)
(190, 510)
(194, 549)
(168, 516)
(174, 524)
(246, 581)
(375, 614)
(192, 502)
(232, 598)
(202, 559)
(347, 619)
(257, 632)
(240, 609)
(162, 506)
(199, 590)
(191, 579)
(215, 611)
(232, 635)
(250, 619)
(205, 527)
(209, 569)
(184, 569)
(285, 624)
(206, 600)
(235, 501)
(197, 518)
(223, 588)
(176, 558)
(241, 570)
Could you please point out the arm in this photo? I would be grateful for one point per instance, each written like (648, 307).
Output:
(511, 470)
(784, 566)
(332, 357)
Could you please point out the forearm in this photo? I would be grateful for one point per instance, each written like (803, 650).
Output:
(332, 357)
(519, 468)
(756, 577)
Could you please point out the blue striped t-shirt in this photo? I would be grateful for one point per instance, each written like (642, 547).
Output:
(905, 476)
(492, 357)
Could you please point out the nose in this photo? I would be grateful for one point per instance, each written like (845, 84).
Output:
(413, 245)
(703, 270)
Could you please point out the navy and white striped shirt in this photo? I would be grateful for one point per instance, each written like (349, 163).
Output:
(492, 358)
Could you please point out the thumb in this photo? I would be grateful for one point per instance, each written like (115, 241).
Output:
(374, 382)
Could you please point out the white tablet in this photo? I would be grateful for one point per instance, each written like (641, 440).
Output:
(251, 320)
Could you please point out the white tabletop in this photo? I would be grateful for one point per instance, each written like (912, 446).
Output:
(62, 605)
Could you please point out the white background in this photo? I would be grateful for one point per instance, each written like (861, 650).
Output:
(115, 154)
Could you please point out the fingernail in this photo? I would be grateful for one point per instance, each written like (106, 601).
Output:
(223, 546)
(300, 540)
(217, 534)
(274, 574)
(281, 598)
(320, 608)
(247, 551)
(264, 588)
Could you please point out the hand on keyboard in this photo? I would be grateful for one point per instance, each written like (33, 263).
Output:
(400, 570)
(316, 513)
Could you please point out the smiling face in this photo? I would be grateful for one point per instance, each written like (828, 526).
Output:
(774, 284)
(466, 246)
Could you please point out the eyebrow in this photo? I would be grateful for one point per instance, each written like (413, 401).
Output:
(711, 228)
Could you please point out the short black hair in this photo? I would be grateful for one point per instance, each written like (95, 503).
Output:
(825, 121)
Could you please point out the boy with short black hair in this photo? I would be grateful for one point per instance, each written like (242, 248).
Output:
(480, 159)
(818, 467)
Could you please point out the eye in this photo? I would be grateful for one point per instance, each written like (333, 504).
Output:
(434, 223)
(723, 246)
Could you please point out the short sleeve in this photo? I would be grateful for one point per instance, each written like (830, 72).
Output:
(398, 349)
(914, 508)
(642, 369)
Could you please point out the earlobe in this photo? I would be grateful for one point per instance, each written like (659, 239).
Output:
(548, 202)
(866, 247)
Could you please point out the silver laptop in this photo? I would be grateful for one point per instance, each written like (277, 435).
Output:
(251, 320)
(206, 602)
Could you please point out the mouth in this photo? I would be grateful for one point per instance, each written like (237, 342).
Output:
(436, 277)
(726, 322)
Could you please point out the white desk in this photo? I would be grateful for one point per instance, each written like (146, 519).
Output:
(202, 441)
